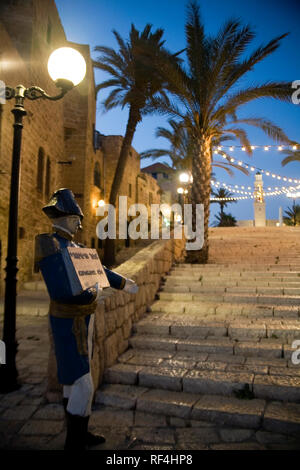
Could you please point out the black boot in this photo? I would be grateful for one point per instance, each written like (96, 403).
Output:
(90, 439)
(93, 439)
(76, 432)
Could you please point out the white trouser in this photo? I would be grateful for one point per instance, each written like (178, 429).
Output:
(80, 393)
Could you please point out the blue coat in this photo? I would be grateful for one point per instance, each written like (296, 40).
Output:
(70, 364)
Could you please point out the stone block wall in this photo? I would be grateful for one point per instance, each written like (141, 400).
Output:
(118, 310)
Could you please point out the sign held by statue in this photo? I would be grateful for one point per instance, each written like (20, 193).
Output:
(84, 269)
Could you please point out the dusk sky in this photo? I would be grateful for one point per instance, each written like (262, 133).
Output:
(92, 21)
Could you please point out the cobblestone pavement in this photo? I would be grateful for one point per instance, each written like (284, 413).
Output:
(28, 422)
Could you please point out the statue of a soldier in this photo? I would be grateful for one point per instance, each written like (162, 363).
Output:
(71, 318)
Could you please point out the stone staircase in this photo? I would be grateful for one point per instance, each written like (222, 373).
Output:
(217, 345)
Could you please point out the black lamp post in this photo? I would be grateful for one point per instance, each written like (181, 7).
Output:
(8, 371)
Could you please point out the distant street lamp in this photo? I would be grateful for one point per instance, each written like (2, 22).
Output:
(67, 68)
(184, 177)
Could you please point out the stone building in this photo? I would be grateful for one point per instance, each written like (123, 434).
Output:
(166, 180)
(139, 187)
(60, 146)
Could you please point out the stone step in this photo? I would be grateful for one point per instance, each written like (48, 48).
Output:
(272, 276)
(189, 286)
(210, 362)
(229, 281)
(254, 298)
(240, 267)
(266, 347)
(206, 309)
(32, 305)
(212, 382)
(236, 329)
(236, 275)
(35, 285)
(222, 410)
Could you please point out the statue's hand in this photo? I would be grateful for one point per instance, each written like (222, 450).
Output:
(131, 287)
(98, 289)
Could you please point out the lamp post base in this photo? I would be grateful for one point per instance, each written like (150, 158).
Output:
(8, 380)
(8, 372)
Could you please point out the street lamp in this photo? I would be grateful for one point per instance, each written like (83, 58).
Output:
(184, 177)
(67, 68)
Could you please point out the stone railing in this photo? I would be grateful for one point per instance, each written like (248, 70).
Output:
(117, 310)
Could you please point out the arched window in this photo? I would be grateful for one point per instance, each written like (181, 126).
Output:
(48, 178)
(97, 176)
(40, 170)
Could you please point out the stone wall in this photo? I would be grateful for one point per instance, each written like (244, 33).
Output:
(62, 131)
(118, 310)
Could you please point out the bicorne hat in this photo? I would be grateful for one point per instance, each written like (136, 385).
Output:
(61, 204)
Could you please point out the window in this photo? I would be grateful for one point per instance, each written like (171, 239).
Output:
(48, 177)
(97, 175)
(93, 243)
(68, 132)
(129, 190)
(40, 170)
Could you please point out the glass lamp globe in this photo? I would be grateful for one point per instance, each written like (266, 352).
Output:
(67, 63)
(184, 178)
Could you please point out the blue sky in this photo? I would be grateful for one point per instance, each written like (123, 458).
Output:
(92, 21)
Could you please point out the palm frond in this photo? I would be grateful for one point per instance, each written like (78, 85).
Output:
(268, 127)
(292, 156)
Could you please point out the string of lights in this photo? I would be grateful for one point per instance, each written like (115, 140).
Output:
(254, 194)
(237, 188)
(261, 170)
(255, 147)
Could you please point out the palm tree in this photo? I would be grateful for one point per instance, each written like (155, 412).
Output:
(225, 220)
(207, 99)
(136, 79)
(291, 156)
(222, 193)
(182, 148)
(292, 215)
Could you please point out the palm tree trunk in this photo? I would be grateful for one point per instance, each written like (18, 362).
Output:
(201, 190)
(133, 119)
